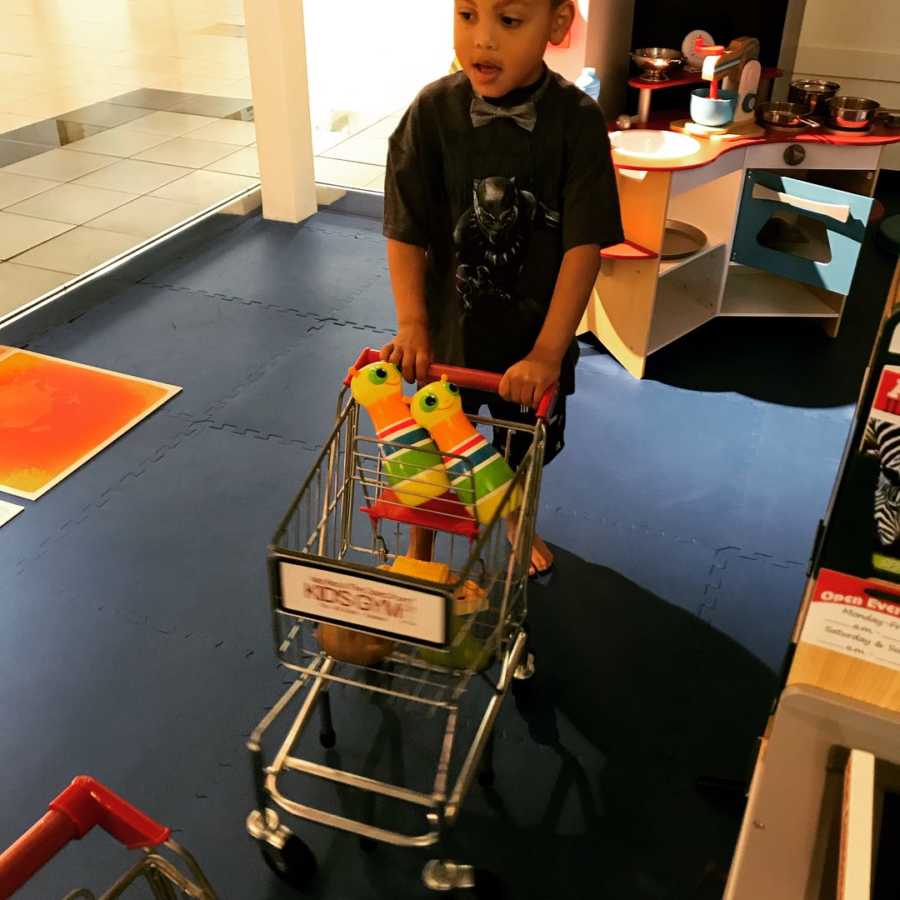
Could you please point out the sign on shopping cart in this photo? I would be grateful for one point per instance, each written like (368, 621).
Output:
(366, 604)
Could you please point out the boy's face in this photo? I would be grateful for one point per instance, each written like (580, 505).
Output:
(500, 43)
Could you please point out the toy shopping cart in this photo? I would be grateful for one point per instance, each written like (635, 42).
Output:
(356, 618)
(84, 804)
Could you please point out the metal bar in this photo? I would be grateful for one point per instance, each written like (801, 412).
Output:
(330, 820)
(302, 716)
(440, 780)
(362, 782)
(286, 697)
(467, 773)
(440, 704)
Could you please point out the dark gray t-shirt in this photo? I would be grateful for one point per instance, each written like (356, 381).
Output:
(496, 207)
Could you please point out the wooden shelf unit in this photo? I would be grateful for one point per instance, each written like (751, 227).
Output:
(754, 293)
(642, 302)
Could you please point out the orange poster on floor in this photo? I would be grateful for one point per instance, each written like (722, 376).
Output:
(55, 415)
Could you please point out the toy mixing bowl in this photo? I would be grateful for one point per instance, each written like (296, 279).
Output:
(656, 62)
(713, 112)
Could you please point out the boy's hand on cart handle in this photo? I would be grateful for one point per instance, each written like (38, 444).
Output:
(410, 351)
(526, 381)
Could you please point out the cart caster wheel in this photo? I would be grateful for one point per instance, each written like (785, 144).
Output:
(294, 863)
(328, 739)
(525, 669)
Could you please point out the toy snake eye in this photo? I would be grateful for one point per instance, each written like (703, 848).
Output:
(379, 375)
(429, 402)
(452, 388)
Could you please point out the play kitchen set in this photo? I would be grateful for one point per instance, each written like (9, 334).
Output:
(746, 208)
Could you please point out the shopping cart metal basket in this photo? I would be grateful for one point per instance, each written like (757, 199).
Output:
(417, 642)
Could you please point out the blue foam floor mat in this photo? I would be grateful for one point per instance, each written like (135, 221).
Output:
(137, 641)
(207, 345)
(320, 267)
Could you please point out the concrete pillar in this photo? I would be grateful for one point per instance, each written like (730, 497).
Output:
(276, 47)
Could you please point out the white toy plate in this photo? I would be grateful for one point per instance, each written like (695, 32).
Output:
(693, 59)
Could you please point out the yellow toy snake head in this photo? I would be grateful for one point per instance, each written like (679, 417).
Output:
(436, 403)
(375, 382)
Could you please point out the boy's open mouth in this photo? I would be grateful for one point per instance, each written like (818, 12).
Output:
(486, 68)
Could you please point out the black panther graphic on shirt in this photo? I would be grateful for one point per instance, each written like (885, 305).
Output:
(492, 238)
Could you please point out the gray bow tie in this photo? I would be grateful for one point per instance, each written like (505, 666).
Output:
(482, 113)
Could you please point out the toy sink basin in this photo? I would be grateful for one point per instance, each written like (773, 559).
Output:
(646, 143)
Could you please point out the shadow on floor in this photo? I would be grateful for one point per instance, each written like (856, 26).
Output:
(790, 362)
(597, 760)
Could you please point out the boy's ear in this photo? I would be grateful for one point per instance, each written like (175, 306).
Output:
(563, 17)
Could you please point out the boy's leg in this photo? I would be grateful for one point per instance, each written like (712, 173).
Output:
(519, 443)
(421, 543)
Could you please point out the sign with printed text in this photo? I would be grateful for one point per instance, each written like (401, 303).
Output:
(363, 603)
(855, 617)
(886, 405)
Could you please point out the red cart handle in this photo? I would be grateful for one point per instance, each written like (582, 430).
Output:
(82, 805)
(474, 379)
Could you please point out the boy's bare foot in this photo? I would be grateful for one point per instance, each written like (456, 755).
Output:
(541, 558)
(541, 554)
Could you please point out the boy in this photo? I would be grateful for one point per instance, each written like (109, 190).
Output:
(499, 195)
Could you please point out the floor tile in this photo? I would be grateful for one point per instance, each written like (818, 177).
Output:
(227, 131)
(244, 115)
(202, 105)
(318, 266)
(14, 151)
(344, 173)
(383, 129)
(19, 284)
(361, 149)
(14, 188)
(44, 105)
(71, 203)
(20, 233)
(146, 216)
(121, 141)
(148, 98)
(377, 183)
(79, 250)
(11, 121)
(241, 88)
(244, 162)
(169, 123)
(60, 165)
(155, 332)
(105, 114)
(185, 151)
(204, 188)
(52, 132)
(133, 176)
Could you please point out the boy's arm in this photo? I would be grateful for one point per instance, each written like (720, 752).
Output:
(526, 381)
(410, 350)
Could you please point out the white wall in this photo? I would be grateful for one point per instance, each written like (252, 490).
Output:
(857, 44)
